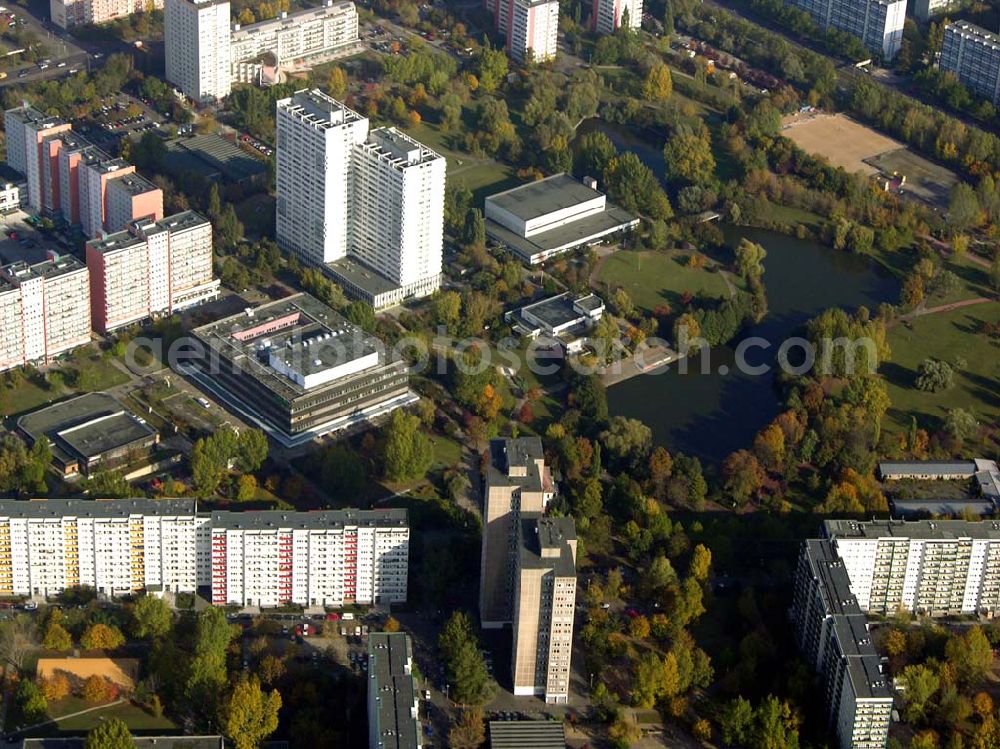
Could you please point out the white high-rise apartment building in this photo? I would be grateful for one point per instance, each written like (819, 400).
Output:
(69, 13)
(877, 23)
(113, 546)
(973, 54)
(316, 137)
(152, 268)
(399, 210)
(610, 15)
(198, 48)
(311, 558)
(44, 310)
(368, 208)
(933, 567)
(121, 546)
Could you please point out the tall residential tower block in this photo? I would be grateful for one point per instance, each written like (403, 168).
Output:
(367, 207)
(196, 35)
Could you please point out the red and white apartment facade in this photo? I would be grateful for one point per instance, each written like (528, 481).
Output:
(531, 27)
(152, 268)
(327, 558)
(312, 559)
(610, 15)
(68, 176)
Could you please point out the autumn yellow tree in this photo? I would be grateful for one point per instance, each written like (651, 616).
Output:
(336, 83)
(701, 563)
(769, 447)
(56, 637)
(250, 715)
(102, 637)
(658, 84)
(55, 687)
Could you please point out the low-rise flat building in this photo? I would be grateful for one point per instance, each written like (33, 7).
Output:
(542, 219)
(141, 742)
(393, 701)
(298, 369)
(44, 310)
(310, 558)
(152, 268)
(527, 734)
(89, 432)
(563, 320)
(306, 37)
(215, 159)
(13, 189)
(544, 604)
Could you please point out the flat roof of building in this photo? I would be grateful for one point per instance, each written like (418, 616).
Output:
(527, 734)
(835, 584)
(300, 325)
(543, 196)
(545, 543)
(916, 508)
(86, 426)
(133, 184)
(522, 452)
(212, 154)
(586, 230)
(559, 310)
(936, 467)
(971, 29)
(48, 509)
(293, 19)
(272, 520)
(850, 626)
(935, 530)
(352, 271)
(141, 742)
(389, 656)
(398, 149)
(22, 271)
(27, 114)
(314, 107)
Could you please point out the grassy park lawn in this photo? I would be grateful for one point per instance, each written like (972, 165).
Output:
(483, 175)
(791, 216)
(947, 336)
(655, 278)
(137, 719)
(85, 372)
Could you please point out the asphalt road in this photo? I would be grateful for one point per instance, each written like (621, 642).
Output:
(62, 47)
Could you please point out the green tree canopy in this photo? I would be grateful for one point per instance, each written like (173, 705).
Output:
(111, 734)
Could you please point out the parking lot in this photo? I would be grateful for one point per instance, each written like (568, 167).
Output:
(19, 241)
